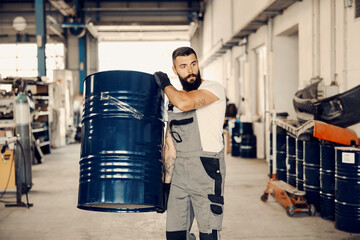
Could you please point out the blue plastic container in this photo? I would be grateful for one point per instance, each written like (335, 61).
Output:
(122, 134)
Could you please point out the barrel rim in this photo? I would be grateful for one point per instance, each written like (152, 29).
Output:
(351, 148)
(119, 71)
(119, 210)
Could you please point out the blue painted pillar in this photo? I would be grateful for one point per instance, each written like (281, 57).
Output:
(79, 4)
(82, 61)
(40, 36)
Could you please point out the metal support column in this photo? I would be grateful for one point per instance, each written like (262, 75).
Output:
(82, 61)
(40, 36)
(79, 4)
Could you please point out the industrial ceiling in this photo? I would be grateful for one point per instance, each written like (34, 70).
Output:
(111, 20)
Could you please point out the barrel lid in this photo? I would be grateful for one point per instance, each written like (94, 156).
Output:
(117, 72)
(350, 148)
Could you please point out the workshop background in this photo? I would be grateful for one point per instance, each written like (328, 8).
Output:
(291, 71)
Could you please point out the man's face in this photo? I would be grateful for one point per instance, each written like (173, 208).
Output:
(187, 69)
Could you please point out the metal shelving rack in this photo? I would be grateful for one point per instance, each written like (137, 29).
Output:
(40, 117)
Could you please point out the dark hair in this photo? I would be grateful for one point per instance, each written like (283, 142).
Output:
(182, 51)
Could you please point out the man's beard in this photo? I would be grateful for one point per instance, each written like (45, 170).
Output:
(193, 85)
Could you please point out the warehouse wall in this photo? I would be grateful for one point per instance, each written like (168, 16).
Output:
(311, 38)
(72, 61)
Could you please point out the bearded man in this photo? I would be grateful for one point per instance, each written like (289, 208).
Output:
(194, 150)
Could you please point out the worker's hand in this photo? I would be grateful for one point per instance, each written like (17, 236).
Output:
(166, 191)
(162, 80)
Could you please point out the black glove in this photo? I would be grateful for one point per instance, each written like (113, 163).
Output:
(165, 195)
(162, 80)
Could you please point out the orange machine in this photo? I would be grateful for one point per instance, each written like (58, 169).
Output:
(289, 197)
(335, 134)
(7, 170)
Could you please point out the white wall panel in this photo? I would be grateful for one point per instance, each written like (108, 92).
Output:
(300, 14)
(285, 73)
(222, 20)
(353, 49)
(214, 71)
(326, 45)
(208, 29)
(244, 11)
(325, 40)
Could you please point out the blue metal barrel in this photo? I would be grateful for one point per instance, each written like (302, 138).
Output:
(281, 142)
(291, 160)
(327, 181)
(122, 134)
(312, 173)
(347, 189)
(327, 206)
(327, 169)
(235, 140)
(281, 156)
(290, 146)
(281, 165)
(248, 146)
(245, 128)
(299, 165)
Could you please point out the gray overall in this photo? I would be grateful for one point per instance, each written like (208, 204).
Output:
(197, 183)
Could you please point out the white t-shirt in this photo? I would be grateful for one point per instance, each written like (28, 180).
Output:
(211, 118)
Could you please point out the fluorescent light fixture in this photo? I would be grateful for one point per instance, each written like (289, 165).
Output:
(63, 7)
(91, 28)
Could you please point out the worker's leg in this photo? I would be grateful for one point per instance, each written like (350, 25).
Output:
(206, 194)
(190, 236)
(214, 235)
(178, 219)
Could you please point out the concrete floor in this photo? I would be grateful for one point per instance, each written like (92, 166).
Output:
(55, 216)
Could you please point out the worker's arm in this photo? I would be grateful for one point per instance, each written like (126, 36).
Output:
(169, 156)
(186, 101)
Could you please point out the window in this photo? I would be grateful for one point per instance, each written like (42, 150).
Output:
(20, 59)
(54, 58)
(146, 57)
